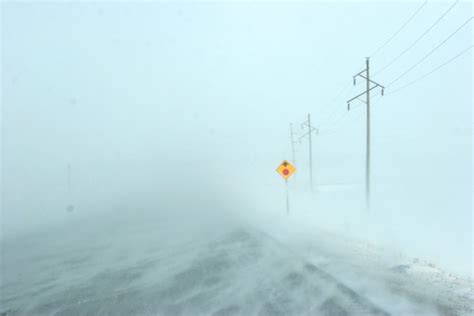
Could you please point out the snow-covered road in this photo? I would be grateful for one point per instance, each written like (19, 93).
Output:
(228, 270)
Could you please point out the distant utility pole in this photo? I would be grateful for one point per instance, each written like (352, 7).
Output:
(292, 134)
(69, 179)
(311, 129)
(367, 102)
(70, 206)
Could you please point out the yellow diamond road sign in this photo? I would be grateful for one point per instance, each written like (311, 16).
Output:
(285, 169)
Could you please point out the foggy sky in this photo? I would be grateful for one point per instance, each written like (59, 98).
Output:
(133, 95)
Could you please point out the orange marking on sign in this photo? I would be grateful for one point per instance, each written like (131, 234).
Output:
(285, 169)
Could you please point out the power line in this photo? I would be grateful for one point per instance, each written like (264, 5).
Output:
(431, 52)
(330, 124)
(399, 30)
(330, 118)
(418, 39)
(337, 126)
(356, 117)
(323, 111)
(326, 112)
(432, 71)
(334, 122)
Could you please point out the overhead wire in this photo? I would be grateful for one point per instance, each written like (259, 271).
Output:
(432, 71)
(335, 125)
(330, 118)
(431, 52)
(328, 105)
(357, 116)
(331, 125)
(399, 30)
(324, 110)
(417, 39)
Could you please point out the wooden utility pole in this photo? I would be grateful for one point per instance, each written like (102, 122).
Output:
(69, 180)
(365, 74)
(70, 206)
(310, 152)
(311, 129)
(292, 134)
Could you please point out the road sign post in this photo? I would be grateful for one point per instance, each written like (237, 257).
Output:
(285, 170)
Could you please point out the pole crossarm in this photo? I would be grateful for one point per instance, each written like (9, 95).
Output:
(358, 96)
(376, 85)
(358, 74)
(372, 81)
(312, 129)
(305, 124)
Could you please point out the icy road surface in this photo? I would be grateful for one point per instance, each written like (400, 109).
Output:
(139, 270)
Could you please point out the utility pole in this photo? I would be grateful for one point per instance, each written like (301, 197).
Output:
(70, 206)
(367, 102)
(310, 153)
(69, 180)
(311, 129)
(292, 134)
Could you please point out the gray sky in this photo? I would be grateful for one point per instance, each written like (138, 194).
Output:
(135, 94)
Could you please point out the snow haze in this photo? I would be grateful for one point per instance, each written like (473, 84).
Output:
(180, 112)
